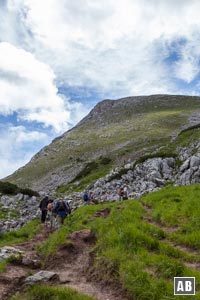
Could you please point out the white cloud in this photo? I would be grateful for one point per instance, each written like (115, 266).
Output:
(18, 145)
(27, 87)
(113, 46)
(187, 67)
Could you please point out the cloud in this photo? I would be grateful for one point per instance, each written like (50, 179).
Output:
(27, 87)
(18, 145)
(117, 47)
(187, 66)
(111, 48)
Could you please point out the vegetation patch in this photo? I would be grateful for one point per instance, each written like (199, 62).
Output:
(28, 231)
(105, 160)
(12, 189)
(91, 166)
(92, 171)
(197, 126)
(3, 265)
(45, 292)
(161, 154)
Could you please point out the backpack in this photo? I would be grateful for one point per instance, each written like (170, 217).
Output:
(121, 192)
(61, 206)
(85, 197)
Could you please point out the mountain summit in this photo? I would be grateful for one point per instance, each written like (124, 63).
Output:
(113, 133)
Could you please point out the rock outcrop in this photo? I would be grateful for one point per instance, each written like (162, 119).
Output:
(149, 176)
(17, 210)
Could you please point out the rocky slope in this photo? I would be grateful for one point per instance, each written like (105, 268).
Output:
(17, 210)
(114, 133)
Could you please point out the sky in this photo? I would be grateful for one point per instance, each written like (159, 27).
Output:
(59, 58)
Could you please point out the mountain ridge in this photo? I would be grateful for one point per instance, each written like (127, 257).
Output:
(121, 129)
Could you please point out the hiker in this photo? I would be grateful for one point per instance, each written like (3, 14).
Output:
(106, 196)
(121, 193)
(43, 207)
(62, 209)
(51, 213)
(91, 197)
(125, 196)
(86, 198)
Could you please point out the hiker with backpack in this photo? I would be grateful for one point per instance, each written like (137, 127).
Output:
(43, 207)
(62, 209)
(86, 198)
(51, 213)
(121, 194)
(91, 196)
(125, 196)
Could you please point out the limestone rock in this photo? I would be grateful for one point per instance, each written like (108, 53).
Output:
(41, 276)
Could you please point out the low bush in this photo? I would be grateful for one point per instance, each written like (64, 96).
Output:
(8, 188)
(12, 189)
(29, 192)
(105, 160)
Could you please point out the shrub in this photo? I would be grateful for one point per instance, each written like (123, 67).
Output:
(105, 160)
(8, 188)
(29, 192)
(12, 189)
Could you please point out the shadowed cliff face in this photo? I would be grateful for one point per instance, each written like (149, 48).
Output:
(120, 130)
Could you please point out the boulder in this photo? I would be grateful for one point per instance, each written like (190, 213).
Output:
(8, 251)
(194, 161)
(185, 165)
(41, 276)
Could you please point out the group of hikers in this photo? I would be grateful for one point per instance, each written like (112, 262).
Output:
(88, 197)
(56, 211)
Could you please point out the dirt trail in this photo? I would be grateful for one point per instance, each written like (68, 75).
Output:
(11, 279)
(71, 264)
(75, 260)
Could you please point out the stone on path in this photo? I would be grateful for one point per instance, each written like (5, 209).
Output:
(41, 276)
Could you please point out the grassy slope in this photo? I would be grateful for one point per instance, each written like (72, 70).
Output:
(126, 129)
(44, 292)
(136, 242)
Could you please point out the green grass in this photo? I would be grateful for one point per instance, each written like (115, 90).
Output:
(45, 292)
(178, 207)
(3, 214)
(3, 264)
(28, 231)
(139, 255)
(12, 213)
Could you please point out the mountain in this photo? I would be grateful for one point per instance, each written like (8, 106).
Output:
(114, 133)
